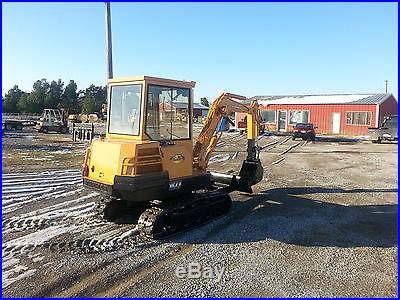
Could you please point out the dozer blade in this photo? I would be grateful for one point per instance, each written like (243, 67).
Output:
(250, 174)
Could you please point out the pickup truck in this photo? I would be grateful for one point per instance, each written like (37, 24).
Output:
(386, 132)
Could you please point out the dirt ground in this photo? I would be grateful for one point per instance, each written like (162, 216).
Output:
(322, 223)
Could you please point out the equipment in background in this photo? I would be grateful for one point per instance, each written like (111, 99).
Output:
(146, 164)
(74, 119)
(386, 132)
(225, 124)
(9, 125)
(53, 120)
(82, 132)
(92, 118)
(242, 126)
(104, 112)
(87, 118)
(17, 121)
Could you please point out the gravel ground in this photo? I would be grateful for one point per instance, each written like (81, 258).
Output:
(322, 223)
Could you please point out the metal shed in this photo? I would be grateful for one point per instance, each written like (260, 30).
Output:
(346, 114)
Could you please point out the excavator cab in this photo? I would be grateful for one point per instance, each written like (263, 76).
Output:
(148, 143)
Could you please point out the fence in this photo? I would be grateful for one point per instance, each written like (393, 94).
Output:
(82, 132)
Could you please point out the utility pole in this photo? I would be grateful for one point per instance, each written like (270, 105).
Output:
(108, 42)
(386, 83)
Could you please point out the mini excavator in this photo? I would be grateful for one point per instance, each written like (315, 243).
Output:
(146, 165)
(146, 161)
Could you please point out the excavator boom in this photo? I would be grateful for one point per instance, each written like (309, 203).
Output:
(225, 104)
(251, 171)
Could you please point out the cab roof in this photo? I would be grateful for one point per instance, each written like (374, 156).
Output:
(155, 80)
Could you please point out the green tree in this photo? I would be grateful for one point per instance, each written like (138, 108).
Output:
(34, 102)
(89, 104)
(204, 101)
(53, 97)
(22, 104)
(10, 100)
(98, 97)
(70, 98)
(28, 103)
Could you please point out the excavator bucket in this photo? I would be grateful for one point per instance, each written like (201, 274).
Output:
(250, 174)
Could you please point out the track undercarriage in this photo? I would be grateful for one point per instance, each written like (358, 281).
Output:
(201, 199)
(160, 219)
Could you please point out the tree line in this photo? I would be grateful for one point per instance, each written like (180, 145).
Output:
(54, 94)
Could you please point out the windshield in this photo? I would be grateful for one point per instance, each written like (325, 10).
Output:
(168, 113)
(390, 122)
(125, 109)
(304, 125)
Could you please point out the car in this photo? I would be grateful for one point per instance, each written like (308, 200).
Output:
(306, 131)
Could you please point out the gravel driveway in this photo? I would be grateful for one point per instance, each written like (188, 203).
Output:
(322, 223)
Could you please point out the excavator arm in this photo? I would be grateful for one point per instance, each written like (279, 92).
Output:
(251, 171)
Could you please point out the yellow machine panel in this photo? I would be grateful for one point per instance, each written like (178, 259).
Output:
(178, 159)
(103, 160)
(107, 158)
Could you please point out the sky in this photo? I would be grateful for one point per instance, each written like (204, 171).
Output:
(244, 48)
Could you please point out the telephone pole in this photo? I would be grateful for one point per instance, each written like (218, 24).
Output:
(108, 42)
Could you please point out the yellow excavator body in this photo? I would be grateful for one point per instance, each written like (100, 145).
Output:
(136, 154)
(148, 154)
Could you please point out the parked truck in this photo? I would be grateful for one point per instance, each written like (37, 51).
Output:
(386, 132)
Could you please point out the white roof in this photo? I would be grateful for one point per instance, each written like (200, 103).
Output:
(312, 99)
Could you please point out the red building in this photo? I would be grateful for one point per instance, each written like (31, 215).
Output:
(346, 114)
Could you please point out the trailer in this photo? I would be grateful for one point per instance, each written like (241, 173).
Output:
(12, 124)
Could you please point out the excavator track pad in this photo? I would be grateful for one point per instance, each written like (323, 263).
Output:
(112, 209)
(165, 219)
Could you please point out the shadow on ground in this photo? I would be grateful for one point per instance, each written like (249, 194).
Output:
(336, 139)
(288, 216)
(321, 138)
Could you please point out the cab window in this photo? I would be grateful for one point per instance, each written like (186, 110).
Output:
(125, 109)
(168, 113)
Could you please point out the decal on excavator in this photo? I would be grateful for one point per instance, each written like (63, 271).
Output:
(175, 185)
(177, 158)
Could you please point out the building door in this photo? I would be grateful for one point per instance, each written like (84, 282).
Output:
(336, 123)
(282, 120)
